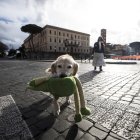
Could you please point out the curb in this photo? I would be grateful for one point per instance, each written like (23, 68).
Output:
(121, 63)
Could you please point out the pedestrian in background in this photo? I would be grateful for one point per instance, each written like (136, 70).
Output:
(98, 54)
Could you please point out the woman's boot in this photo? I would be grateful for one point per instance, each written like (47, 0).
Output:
(101, 68)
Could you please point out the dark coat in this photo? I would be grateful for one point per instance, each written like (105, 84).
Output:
(96, 48)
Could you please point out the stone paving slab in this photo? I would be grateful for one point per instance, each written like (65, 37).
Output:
(124, 122)
(98, 133)
(12, 126)
(128, 126)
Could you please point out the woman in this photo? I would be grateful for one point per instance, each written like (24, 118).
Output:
(98, 51)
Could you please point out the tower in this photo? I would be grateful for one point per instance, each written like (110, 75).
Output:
(103, 34)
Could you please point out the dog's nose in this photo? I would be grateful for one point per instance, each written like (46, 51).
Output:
(63, 75)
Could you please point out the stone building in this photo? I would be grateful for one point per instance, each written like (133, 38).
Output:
(54, 41)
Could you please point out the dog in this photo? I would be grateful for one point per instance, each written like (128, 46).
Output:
(63, 66)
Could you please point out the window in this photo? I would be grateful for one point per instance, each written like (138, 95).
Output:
(50, 47)
(71, 37)
(55, 40)
(50, 31)
(59, 33)
(59, 40)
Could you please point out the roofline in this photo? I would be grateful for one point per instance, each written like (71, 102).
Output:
(55, 27)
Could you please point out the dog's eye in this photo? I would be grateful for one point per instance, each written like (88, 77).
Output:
(59, 66)
(69, 67)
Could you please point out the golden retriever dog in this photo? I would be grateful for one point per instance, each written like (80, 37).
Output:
(63, 66)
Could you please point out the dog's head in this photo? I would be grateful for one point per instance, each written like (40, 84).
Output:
(64, 66)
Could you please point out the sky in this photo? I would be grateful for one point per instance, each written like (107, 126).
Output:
(121, 18)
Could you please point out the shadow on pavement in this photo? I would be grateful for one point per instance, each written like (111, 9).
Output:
(88, 76)
(63, 106)
(72, 133)
(39, 118)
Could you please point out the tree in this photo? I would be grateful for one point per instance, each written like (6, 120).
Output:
(135, 46)
(22, 51)
(12, 52)
(32, 29)
(3, 49)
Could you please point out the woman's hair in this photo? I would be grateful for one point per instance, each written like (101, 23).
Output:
(100, 39)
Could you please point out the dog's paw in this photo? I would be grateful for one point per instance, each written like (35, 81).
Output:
(55, 109)
(68, 101)
(56, 112)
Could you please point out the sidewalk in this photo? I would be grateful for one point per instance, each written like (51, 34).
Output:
(108, 61)
(114, 61)
(112, 95)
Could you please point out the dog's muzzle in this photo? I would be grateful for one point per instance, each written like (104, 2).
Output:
(62, 75)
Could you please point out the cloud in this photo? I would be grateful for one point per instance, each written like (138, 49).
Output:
(139, 24)
(23, 20)
(120, 18)
(3, 19)
(14, 14)
(11, 35)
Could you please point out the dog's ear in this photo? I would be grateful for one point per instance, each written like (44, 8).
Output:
(48, 70)
(53, 67)
(75, 68)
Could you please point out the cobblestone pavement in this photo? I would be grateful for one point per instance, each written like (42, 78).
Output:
(112, 95)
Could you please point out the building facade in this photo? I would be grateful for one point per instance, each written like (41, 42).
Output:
(53, 41)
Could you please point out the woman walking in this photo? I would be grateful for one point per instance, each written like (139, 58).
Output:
(98, 54)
